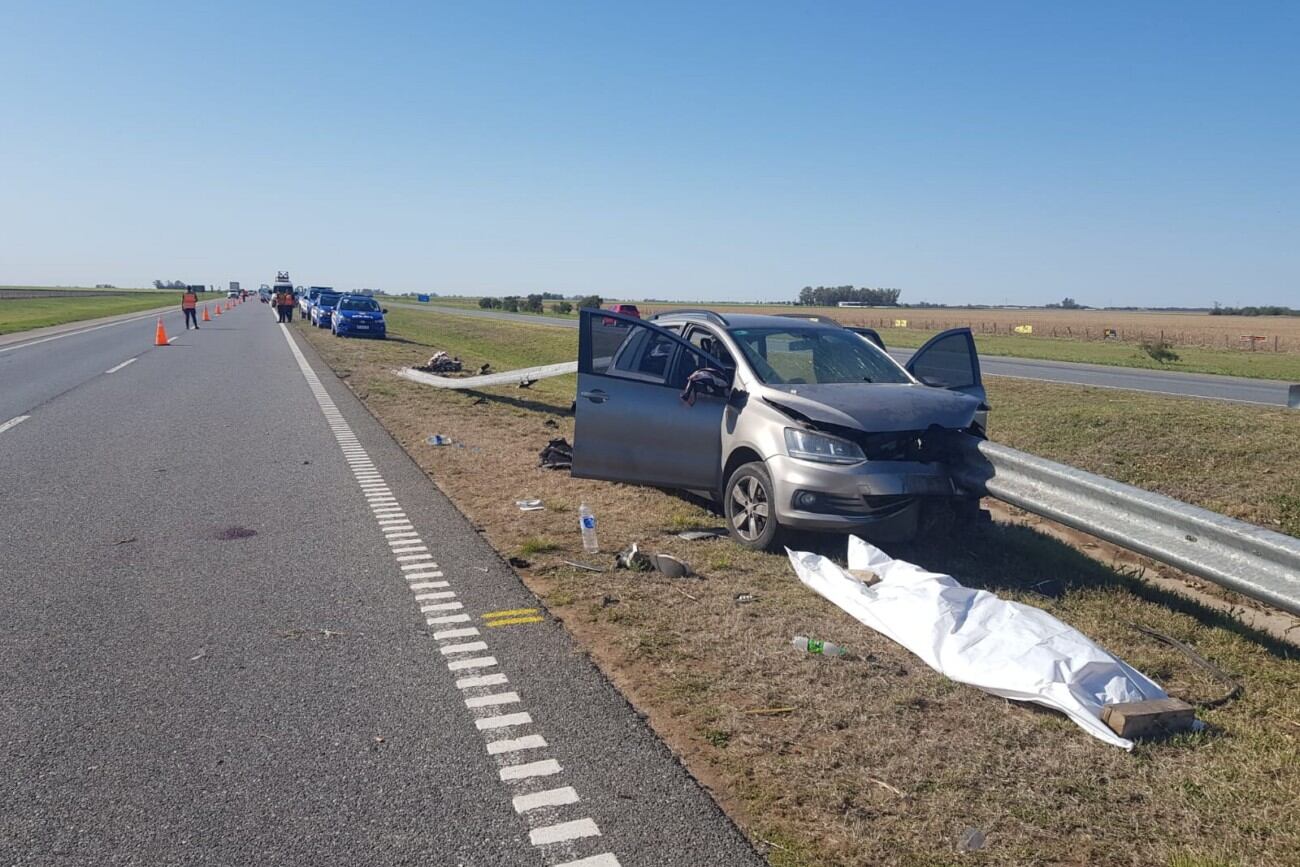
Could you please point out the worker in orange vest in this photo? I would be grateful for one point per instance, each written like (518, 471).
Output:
(189, 304)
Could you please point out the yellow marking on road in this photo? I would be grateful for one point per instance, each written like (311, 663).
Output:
(509, 612)
(512, 621)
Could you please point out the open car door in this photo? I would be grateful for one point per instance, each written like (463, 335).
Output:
(630, 421)
(949, 360)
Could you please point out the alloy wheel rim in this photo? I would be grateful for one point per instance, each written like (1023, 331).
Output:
(749, 508)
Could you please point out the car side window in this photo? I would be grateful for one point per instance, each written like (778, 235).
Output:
(645, 355)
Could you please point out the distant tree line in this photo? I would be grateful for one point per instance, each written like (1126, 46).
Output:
(829, 296)
(1066, 303)
(1271, 310)
(169, 284)
(535, 303)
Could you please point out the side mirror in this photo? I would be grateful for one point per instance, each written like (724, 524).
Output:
(383, 309)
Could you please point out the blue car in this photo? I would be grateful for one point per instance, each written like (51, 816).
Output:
(323, 307)
(359, 316)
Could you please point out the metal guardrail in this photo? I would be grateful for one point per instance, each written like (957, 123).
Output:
(1250, 560)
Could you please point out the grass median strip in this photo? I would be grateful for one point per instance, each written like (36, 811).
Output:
(874, 758)
(24, 314)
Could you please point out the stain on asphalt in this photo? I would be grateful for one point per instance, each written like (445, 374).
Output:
(235, 533)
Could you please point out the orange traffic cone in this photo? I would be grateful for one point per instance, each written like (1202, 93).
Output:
(217, 309)
(206, 317)
(160, 337)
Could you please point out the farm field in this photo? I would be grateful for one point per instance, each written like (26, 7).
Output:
(875, 758)
(1204, 343)
(23, 314)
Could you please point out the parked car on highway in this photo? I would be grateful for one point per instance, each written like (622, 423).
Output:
(232, 294)
(322, 309)
(624, 309)
(358, 316)
(785, 422)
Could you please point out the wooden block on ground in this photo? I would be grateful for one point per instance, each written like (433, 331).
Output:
(1148, 719)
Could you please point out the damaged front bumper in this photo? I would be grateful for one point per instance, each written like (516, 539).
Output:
(885, 499)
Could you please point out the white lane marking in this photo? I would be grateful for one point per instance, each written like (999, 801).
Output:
(548, 798)
(481, 680)
(81, 331)
(13, 422)
(605, 859)
(115, 368)
(514, 745)
(544, 768)
(563, 832)
(467, 647)
(504, 721)
(402, 539)
(496, 698)
(449, 618)
(477, 662)
(464, 632)
(171, 340)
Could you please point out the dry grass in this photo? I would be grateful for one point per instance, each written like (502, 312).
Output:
(881, 760)
(1180, 329)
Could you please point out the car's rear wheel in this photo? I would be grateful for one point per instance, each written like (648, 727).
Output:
(748, 505)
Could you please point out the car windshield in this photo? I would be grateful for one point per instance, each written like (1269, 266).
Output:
(358, 304)
(788, 356)
(327, 300)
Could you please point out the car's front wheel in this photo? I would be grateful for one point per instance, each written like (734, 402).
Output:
(748, 505)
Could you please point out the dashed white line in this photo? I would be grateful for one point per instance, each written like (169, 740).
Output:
(449, 618)
(493, 700)
(481, 680)
(563, 832)
(445, 594)
(13, 422)
(515, 745)
(548, 798)
(478, 662)
(444, 606)
(503, 721)
(603, 860)
(467, 647)
(115, 368)
(427, 585)
(544, 768)
(455, 633)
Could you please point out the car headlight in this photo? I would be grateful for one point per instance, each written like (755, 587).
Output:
(822, 448)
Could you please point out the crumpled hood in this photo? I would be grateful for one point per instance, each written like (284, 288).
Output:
(877, 407)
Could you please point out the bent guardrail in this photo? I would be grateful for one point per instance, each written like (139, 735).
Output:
(1250, 560)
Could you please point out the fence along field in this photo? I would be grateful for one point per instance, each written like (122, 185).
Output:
(1249, 333)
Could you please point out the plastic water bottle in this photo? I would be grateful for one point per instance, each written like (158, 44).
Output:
(816, 645)
(587, 521)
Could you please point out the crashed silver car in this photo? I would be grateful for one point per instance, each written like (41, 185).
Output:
(784, 422)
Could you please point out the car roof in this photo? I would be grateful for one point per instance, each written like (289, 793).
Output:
(745, 320)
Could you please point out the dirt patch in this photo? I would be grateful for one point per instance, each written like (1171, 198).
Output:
(874, 758)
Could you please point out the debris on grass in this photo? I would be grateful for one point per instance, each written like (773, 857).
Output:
(633, 558)
(438, 440)
(971, 840)
(770, 711)
(530, 505)
(441, 362)
(556, 455)
(702, 535)
(577, 565)
(818, 646)
(669, 565)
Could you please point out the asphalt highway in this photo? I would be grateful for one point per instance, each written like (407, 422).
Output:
(1235, 389)
(241, 627)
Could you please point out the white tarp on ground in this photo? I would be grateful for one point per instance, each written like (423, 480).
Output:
(506, 377)
(1012, 650)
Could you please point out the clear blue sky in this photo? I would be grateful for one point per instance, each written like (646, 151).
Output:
(1117, 152)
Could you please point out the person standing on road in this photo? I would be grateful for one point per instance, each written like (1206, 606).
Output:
(284, 305)
(189, 305)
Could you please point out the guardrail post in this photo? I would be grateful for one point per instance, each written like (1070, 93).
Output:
(1293, 397)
